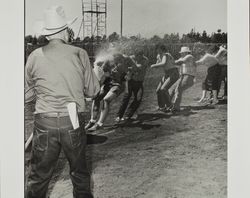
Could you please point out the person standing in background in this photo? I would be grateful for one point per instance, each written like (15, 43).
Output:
(187, 77)
(119, 70)
(211, 82)
(135, 87)
(221, 55)
(171, 75)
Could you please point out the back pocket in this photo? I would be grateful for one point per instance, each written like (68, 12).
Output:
(40, 139)
(76, 136)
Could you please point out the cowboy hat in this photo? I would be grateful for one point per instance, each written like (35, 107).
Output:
(184, 49)
(54, 21)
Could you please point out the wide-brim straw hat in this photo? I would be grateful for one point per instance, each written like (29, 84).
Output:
(184, 49)
(54, 21)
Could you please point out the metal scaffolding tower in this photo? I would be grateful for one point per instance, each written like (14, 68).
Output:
(94, 13)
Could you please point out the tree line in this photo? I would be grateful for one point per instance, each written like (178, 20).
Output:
(191, 37)
(127, 45)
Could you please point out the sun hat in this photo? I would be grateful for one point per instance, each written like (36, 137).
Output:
(184, 49)
(55, 21)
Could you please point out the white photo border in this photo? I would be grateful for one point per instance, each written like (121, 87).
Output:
(12, 99)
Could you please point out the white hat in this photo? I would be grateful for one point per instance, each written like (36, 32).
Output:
(55, 21)
(184, 49)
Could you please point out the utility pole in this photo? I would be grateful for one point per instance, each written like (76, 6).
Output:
(121, 16)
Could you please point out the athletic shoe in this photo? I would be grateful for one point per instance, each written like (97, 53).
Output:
(89, 125)
(215, 102)
(224, 98)
(118, 119)
(163, 109)
(95, 127)
(175, 110)
(127, 119)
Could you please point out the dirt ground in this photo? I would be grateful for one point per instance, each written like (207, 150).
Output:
(157, 156)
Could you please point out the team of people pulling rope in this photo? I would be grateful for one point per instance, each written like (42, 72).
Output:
(127, 73)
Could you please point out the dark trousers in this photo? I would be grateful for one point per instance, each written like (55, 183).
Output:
(212, 80)
(162, 91)
(135, 88)
(49, 137)
(223, 77)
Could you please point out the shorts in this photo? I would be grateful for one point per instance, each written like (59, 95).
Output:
(109, 86)
(212, 79)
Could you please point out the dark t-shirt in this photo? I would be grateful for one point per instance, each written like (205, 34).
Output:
(120, 70)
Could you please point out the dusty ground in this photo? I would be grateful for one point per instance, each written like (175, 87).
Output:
(157, 156)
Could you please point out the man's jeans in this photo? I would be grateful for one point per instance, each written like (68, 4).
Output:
(162, 91)
(135, 88)
(49, 137)
(185, 81)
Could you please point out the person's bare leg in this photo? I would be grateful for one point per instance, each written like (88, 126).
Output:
(215, 96)
(204, 95)
(94, 111)
(105, 110)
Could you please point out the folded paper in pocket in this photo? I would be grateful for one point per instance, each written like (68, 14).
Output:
(73, 115)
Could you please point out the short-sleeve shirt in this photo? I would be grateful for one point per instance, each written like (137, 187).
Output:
(140, 72)
(188, 66)
(120, 70)
(59, 76)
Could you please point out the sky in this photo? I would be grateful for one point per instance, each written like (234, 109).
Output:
(144, 17)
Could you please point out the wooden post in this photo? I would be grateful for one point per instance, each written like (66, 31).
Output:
(121, 16)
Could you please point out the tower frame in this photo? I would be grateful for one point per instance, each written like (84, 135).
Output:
(94, 18)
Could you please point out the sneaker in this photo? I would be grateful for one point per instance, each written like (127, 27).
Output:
(89, 125)
(127, 119)
(175, 110)
(224, 98)
(215, 102)
(203, 100)
(118, 119)
(95, 127)
(163, 109)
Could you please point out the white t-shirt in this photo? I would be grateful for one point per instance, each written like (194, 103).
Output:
(208, 60)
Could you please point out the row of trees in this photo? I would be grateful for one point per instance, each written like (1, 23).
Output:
(128, 45)
(191, 37)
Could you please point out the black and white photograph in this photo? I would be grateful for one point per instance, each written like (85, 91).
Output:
(125, 99)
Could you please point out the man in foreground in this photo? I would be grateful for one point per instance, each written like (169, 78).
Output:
(58, 75)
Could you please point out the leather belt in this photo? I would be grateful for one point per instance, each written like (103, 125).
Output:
(52, 115)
